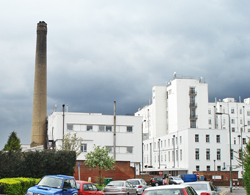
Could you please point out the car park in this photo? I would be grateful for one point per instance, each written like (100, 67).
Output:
(175, 180)
(140, 185)
(156, 181)
(87, 188)
(120, 187)
(170, 190)
(54, 184)
(204, 187)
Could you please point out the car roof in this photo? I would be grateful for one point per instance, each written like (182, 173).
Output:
(60, 176)
(166, 187)
(198, 182)
(83, 182)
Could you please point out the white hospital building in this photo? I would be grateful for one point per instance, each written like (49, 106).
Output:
(183, 132)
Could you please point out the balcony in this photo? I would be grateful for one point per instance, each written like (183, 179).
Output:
(192, 92)
(193, 117)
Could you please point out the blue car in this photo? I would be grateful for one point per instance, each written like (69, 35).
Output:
(54, 184)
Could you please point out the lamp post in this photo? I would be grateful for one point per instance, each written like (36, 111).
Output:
(241, 154)
(230, 147)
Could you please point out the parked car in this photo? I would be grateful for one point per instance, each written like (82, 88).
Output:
(120, 187)
(140, 185)
(204, 187)
(175, 180)
(86, 188)
(54, 184)
(156, 181)
(170, 190)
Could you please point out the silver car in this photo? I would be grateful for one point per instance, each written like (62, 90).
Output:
(120, 187)
(140, 184)
(203, 186)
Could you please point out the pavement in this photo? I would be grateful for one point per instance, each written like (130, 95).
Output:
(226, 190)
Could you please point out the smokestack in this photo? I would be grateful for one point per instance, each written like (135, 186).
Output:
(39, 117)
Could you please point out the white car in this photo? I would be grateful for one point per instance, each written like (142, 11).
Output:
(203, 187)
(140, 184)
(175, 180)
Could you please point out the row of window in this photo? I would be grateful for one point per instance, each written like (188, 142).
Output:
(102, 128)
(208, 168)
(197, 139)
(171, 155)
(232, 111)
(218, 154)
(163, 143)
(118, 149)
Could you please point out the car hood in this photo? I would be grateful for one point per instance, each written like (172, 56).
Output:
(46, 190)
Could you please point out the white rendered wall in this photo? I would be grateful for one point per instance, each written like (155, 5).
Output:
(123, 138)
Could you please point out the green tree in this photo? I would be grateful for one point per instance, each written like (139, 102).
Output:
(99, 158)
(13, 142)
(246, 164)
(71, 143)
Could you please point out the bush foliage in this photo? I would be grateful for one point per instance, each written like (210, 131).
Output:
(36, 164)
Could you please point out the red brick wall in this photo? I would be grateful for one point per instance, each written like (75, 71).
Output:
(121, 171)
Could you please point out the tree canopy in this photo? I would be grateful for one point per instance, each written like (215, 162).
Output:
(71, 143)
(13, 142)
(246, 164)
(99, 158)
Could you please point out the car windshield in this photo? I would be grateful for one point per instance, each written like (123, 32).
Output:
(116, 183)
(199, 186)
(164, 192)
(176, 178)
(51, 182)
(134, 182)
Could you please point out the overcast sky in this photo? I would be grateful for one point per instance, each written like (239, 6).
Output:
(103, 51)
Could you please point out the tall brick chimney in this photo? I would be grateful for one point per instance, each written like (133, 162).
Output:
(39, 117)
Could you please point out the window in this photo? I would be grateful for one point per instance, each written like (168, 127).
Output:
(240, 111)
(89, 128)
(232, 111)
(218, 154)
(208, 168)
(233, 121)
(109, 148)
(248, 122)
(209, 121)
(101, 128)
(129, 149)
(218, 138)
(248, 113)
(207, 138)
(208, 154)
(177, 155)
(233, 129)
(180, 154)
(173, 156)
(165, 157)
(69, 127)
(197, 168)
(209, 111)
(196, 137)
(84, 147)
(234, 140)
(197, 154)
(165, 143)
(248, 130)
(108, 128)
(232, 154)
(192, 123)
(241, 121)
(218, 168)
(168, 156)
(244, 140)
(129, 129)
(180, 140)
(168, 142)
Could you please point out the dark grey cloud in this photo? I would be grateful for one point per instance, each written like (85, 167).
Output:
(105, 51)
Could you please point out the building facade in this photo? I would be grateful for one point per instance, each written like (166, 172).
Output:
(97, 129)
(184, 133)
